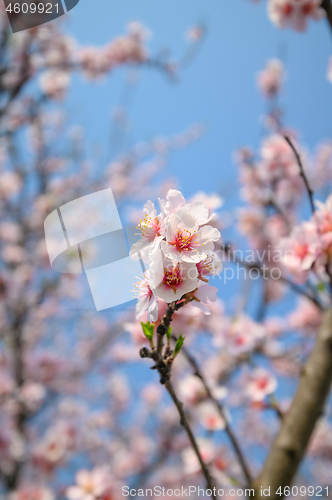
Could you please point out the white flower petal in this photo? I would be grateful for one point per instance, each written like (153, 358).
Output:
(150, 210)
(74, 493)
(194, 256)
(139, 245)
(153, 310)
(207, 234)
(207, 293)
(142, 305)
(199, 211)
(156, 269)
(174, 201)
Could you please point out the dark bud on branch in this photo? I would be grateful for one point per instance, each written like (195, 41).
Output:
(164, 379)
(145, 353)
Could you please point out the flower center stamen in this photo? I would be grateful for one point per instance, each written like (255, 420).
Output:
(184, 240)
(172, 277)
(149, 227)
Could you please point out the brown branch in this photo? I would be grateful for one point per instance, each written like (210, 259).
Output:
(299, 422)
(184, 422)
(164, 325)
(16, 345)
(220, 409)
(302, 173)
(164, 370)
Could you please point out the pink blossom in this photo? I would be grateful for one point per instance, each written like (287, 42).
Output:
(185, 240)
(253, 223)
(306, 317)
(276, 228)
(32, 493)
(146, 300)
(137, 30)
(275, 178)
(54, 83)
(52, 450)
(32, 395)
(192, 391)
(209, 416)
(10, 184)
(294, 13)
(322, 166)
(7, 384)
(278, 160)
(210, 201)
(210, 266)
(205, 295)
(323, 218)
(190, 460)
(170, 280)
(96, 62)
(195, 34)
(44, 366)
(13, 254)
(243, 335)
(301, 249)
(321, 442)
(261, 384)
(119, 389)
(270, 80)
(173, 202)
(274, 326)
(9, 231)
(152, 229)
(135, 330)
(189, 319)
(152, 394)
(90, 485)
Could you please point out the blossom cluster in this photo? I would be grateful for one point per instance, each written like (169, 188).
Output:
(130, 48)
(274, 179)
(178, 246)
(309, 246)
(294, 13)
(95, 62)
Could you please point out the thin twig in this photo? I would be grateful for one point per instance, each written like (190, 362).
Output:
(164, 325)
(220, 409)
(302, 173)
(166, 321)
(275, 406)
(184, 422)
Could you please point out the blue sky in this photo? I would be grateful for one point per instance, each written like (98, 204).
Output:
(218, 89)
